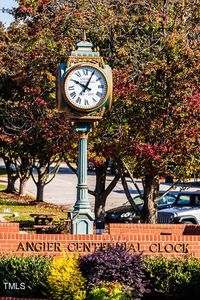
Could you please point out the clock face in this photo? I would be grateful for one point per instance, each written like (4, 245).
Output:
(85, 87)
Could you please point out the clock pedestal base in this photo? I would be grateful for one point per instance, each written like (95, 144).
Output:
(82, 222)
(82, 216)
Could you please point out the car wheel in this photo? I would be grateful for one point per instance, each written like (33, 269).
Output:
(187, 222)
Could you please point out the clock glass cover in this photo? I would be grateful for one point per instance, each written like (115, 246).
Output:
(85, 87)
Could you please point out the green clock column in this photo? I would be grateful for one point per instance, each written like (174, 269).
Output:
(82, 216)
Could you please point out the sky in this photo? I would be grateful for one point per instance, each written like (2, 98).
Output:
(5, 18)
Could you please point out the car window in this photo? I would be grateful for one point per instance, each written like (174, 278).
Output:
(167, 199)
(138, 200)
(183, 200)
(162, 201)
(170, 198)
(189, 200)
(196, 200)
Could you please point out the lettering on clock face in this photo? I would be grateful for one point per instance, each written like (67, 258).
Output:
(85, 87)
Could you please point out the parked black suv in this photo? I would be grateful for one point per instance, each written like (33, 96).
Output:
(126, 213)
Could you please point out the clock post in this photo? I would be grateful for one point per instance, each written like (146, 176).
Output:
(84, 94)
(82, 216)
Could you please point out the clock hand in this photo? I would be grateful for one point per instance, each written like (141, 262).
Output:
(83, 85)
(86, 86)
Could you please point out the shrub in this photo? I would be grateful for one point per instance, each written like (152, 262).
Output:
(109, 291)
(178, 277)
(115, 264)
(65, 279)
(28, 273)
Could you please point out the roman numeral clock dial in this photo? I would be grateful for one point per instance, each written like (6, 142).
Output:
(85, 87)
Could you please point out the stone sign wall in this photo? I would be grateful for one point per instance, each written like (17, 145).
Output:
(147, 239)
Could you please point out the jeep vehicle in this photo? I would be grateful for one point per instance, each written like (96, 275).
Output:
(186, 210)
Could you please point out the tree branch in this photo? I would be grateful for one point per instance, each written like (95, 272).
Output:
(167, 191)
(56, 169)
(91, 192)
(111, 186)
(72, 168)
(131, 176)
(33, 175)
(128, 195)
(70, 165)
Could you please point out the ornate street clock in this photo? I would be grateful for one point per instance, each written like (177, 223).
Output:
(84, 84)
(84, 93)
(86, 87)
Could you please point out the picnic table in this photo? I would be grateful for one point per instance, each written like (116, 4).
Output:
(42, 222)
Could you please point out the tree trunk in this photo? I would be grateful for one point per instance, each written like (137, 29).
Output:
(101, 191)
(11, 176)
(43, 172)
(24, 170)
(151, 190)
(40, 192)
(22, 185)
(11, 183)
(100, 197)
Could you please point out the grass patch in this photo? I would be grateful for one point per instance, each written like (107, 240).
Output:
(25, 206)
(2, 186)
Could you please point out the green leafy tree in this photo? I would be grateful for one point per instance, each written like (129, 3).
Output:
(162, 111)
(153, 49)
(153, 127)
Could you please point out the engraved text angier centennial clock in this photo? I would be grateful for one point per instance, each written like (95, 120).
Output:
(85, 87)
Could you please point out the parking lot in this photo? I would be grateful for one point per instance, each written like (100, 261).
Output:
(62, 189)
